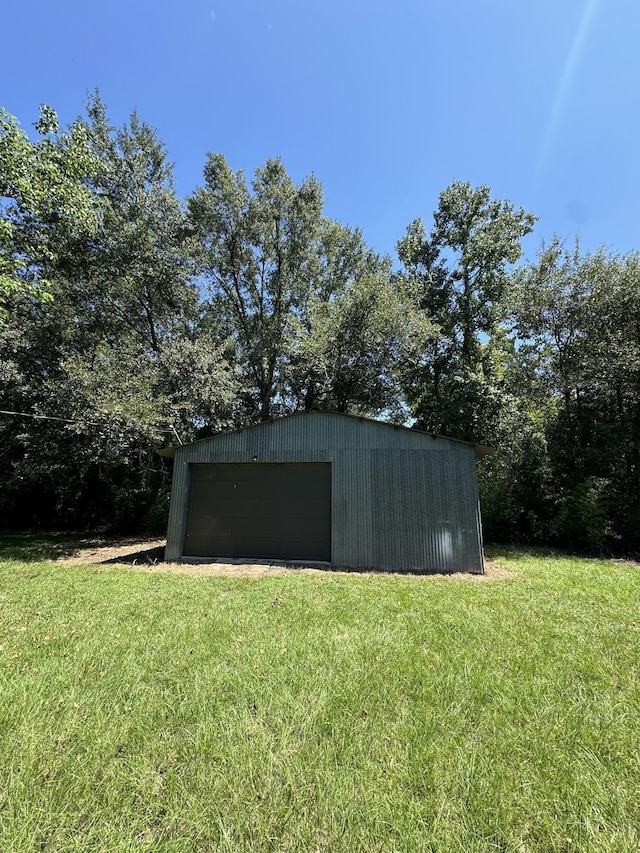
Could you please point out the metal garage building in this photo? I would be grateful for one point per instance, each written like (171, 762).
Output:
(323, 486)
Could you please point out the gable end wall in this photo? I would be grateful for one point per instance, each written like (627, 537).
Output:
(401, 500)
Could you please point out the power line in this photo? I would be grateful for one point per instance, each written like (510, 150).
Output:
(51, 418)
(73, 420)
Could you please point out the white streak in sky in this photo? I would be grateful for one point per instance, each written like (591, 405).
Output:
(562, 92)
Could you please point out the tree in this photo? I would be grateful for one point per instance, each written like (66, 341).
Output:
(578, 319)
(459, 276)
(119, 353)
(135, 272)
(44, 199)
(350, 352)
(258, 256)
(310, 308)
(133, 285)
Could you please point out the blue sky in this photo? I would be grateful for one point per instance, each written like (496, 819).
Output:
(386, 103)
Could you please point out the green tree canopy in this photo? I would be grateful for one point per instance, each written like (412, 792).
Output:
(44, 198)
(459, 275)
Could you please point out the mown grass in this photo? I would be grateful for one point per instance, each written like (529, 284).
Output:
(149, 712)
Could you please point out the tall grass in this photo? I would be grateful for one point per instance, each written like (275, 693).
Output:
(143, 712)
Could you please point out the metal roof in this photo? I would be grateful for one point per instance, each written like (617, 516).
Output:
(481, 450)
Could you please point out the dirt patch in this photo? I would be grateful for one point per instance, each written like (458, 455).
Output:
(148, 555)
(495, 571)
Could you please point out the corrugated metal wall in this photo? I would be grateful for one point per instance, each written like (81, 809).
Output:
(401, 500)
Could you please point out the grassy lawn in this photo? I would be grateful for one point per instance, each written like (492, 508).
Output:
(154, 712)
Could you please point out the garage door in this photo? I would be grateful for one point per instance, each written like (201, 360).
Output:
(279, 511)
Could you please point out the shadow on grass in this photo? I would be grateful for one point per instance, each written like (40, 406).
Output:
(148, 557)
(34, 547)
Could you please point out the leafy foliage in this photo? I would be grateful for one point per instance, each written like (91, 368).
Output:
(116, 352)
(351, 351)
(459, 276)
(577, 317)
(131, 319)
(43, 198)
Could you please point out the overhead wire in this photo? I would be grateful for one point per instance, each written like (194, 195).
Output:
(74, 421)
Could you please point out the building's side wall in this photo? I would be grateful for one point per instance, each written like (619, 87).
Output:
(425, 510)
(176, 525)
(401, 501)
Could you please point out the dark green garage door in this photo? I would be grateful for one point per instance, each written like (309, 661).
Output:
(280, 511)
